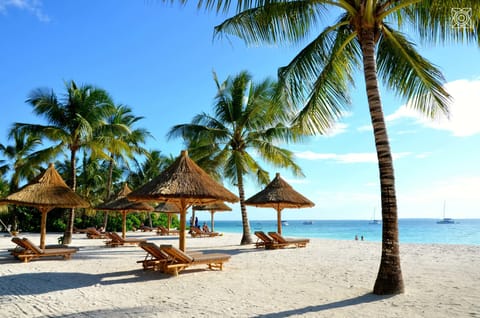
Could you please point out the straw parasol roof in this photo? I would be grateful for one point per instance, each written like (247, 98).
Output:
(213, 207)
(45, 192)
(120, 203)
(278, 194)
(168, 209)
(185, 184)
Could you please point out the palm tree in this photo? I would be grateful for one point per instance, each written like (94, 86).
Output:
(123, 147)
(21, 162)
(20, 159)
(247, 119)
(72, 122)
(366, 33)
(154, 164)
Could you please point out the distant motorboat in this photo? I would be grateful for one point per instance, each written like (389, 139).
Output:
(284, 223)
(307, 222)
(445, 220)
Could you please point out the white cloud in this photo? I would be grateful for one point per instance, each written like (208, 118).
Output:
(426, 200)
(337, 129)
(361, 157)
(32, 6)
(464, 110)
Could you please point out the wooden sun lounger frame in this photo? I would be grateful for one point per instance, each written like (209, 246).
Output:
(265, 241)
(117, 240)
(279, 239)
(180, 260)
(93, 233)
(196, 232)
(163, 231)
(156, 259)
(28, 250)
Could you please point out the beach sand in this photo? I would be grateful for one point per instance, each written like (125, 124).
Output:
(328, 278)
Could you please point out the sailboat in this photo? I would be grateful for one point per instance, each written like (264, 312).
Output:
(445, 220)
(374, 221)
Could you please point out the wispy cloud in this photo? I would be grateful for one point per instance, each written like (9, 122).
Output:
(359, 157)
(464, 110)
(32, 6)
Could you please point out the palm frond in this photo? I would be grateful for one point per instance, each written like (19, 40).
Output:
(446, 21)
(410, 75)
(317, 79)
(274, 22)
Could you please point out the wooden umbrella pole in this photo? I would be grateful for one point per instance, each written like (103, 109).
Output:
(169, 218)
(211, 219)
(279, 220)
(124, 224)
(183, 222)
(43, 226)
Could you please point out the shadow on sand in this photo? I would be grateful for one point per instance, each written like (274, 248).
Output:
(363, 299)
(45, 282)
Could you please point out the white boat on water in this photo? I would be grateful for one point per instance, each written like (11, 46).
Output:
(445, 220)
(284, 223)
(374, 220)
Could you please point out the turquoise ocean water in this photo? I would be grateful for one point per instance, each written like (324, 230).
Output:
(464, 231)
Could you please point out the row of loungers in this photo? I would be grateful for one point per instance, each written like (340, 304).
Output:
(273, 240)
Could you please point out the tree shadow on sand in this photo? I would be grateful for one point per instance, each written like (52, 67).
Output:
(45, 282)
(363, 299)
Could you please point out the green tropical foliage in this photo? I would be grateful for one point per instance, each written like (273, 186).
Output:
(368, 36)
(248, 121)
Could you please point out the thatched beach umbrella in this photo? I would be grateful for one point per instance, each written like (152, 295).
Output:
(213, 207)
(278, 194)
(46, 192)
(121, 204)
(169, 209)
(185, 184)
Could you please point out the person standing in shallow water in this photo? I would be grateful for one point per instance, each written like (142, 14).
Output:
(196, 222)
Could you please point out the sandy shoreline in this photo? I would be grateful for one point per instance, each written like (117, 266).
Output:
(327, 279)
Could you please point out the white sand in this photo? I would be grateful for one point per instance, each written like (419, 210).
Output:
(327, 279)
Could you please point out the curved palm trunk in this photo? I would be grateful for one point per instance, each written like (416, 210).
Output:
(246, 238)
(109, 189)
(67, 236)
(389, 279)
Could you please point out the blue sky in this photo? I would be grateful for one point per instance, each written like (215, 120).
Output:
(159, 59)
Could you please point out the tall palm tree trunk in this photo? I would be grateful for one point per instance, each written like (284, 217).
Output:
(67, 236)
(109, 190)
(246, 238)
(389, 279)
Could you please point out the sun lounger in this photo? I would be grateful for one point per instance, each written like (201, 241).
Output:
(27, 250)
(196, 232)
(93, 233)
(180, 260)
(161, 230)
(263, 240)
(155, 259)
(117, 240)
(300, 242)
(144, 228)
